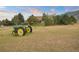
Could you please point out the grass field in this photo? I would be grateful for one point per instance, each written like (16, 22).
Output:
(51, 38)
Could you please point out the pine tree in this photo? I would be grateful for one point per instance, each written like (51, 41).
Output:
(0, 23)
(32, 20)
(73, 19)
(48, 20)
(18, 19)
(6, 22)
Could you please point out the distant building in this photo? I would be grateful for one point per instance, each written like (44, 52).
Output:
(39, 18)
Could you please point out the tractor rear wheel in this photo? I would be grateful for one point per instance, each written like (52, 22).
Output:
(20, 31)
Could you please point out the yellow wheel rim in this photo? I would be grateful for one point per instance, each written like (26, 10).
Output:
(20, 32)
(28, 30)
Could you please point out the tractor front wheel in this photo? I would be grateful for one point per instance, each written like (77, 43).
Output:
(29, 29)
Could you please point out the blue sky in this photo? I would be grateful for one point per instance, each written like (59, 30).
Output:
(10, 11)
(58, 9)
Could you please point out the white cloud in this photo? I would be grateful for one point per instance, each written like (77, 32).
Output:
(52, 12)
(31, 10)
(35, 11)
(2, 7)
(6, 14)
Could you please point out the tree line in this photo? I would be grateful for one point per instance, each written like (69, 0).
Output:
(47, 20)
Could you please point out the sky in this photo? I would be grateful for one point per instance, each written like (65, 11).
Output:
(10, 11)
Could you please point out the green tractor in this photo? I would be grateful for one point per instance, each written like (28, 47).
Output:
(21, 30)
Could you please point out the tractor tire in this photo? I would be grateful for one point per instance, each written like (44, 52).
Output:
(29, 29)
(20, 32)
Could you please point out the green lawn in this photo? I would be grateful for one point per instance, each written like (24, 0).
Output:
(51, 38)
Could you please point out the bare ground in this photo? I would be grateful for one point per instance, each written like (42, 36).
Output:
(51, 38)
